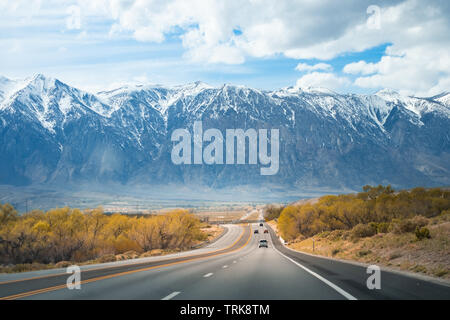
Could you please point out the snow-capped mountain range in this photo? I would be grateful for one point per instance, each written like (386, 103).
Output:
(54, 134)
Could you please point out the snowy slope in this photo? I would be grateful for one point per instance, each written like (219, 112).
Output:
(54, 133)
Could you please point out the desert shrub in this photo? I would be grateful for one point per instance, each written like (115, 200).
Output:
(131, 254)
(419, 268)
(363, 253)
(146, 254)
(420, 221)
(363, 231)
(63, 264)
(324, 234)
(336, 235)
(107, 258)
(408, 225)
(374, 226)
(405, 226)
(335, 251)
(383, 227)
(440, 271)
(422, 233)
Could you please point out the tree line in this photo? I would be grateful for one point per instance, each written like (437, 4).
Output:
(380, 208)
(67, 234)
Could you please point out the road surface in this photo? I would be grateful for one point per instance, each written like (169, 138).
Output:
(232, 268)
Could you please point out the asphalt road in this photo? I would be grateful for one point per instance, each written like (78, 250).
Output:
(233, 268)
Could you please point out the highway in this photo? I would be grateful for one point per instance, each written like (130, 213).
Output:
(232, 268)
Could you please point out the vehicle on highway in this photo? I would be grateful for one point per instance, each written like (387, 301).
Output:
(256, 231)
(261, 224)
(263, 244)
(266, 231)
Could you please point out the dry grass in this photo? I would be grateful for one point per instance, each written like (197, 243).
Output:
(213, 232)
(397, 251)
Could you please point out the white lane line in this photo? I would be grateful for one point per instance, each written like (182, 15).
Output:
(208, 275)
(225, 266)
(170, 296)
(332, 285)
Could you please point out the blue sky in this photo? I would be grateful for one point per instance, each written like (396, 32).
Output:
(345, 46)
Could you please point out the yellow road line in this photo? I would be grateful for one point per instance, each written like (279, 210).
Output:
(109, 267)
(34, 292)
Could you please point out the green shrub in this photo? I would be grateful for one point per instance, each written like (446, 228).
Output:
(422, 233)
(363, 230)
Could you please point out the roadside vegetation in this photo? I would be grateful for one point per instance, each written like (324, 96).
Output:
(408, 230)
(272, 212)
(60, 237)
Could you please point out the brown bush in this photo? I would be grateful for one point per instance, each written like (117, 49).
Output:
(363, 231)
(408, 225)
(107, 258)
(383, 227)
(63, 264)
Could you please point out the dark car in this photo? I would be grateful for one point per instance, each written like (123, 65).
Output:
(261, 224)
(266, 231)
(263, 244)
(256, 231)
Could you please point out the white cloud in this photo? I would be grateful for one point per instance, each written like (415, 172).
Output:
(422, 70)
(361, 67)
(322, 79)
(318, 66)
(73, 20)
(292, 28)
(417, 60)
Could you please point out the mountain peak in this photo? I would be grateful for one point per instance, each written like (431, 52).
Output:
(41, 81)
(319, 90)
(4, 79)
(387, 92)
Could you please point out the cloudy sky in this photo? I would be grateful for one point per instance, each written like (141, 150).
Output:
(347, 46)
